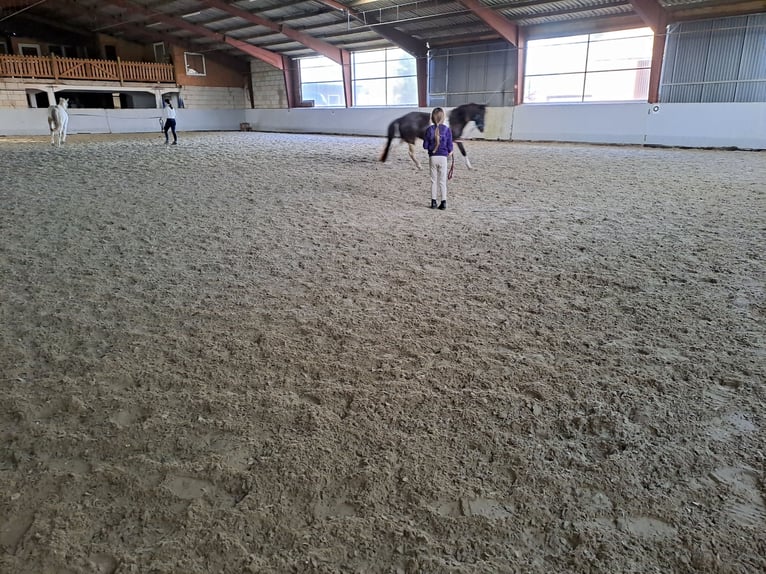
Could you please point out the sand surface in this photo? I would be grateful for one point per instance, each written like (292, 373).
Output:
(264, 353)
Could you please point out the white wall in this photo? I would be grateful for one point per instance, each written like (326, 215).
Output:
(707, 125)
(689, 125)
(33, 122)
(616, 123)
(351, 121)
(693, 125)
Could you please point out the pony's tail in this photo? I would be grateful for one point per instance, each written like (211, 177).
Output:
(392, 127)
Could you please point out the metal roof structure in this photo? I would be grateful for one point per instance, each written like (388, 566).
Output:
(272, 29)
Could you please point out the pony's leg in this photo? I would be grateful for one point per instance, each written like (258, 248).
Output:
(412, 155)
(64, 129)
(461, 147)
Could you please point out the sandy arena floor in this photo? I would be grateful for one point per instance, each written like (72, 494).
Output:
(263, 353)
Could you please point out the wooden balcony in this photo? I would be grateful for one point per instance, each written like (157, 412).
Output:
(57, 68)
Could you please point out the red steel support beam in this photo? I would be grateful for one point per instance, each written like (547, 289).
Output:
(337, 55)
(269, 57)
(656, 18)
(421, 67)
(291, 82)
(651, 13)
(348, 92)
(411, 45)
(499, 23)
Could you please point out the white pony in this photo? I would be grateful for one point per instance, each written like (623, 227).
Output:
(58, 119)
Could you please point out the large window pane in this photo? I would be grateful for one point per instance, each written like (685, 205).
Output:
(401, 67)
(384, 78)
(618, 54)
(370, 92)
(370, 70)
(328, 94)
(369, 56)
(322, 82)
(549, 89)
(613, 86)
(557, 56)
(612, 66)
(402, 92)
(320, 70)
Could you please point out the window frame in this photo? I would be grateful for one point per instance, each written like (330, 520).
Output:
(386, 62)
(590, 68)
(194, 71)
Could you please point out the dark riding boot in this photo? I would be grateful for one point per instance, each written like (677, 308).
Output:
(433, 203)
(442, 205)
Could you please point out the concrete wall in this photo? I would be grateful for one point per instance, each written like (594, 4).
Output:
(198, 97)
(693, 125)
(269, 90)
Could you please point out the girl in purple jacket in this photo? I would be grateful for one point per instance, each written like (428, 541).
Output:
(438, 142)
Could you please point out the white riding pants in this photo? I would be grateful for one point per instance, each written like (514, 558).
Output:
(438, 165)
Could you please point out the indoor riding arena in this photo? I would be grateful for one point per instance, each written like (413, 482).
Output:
(263, 352)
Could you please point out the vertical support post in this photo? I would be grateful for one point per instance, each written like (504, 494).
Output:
(658, 54)
(345, 59)
(421, 67)
(54, 67)
(521, 59)
(291, 81)
(119, 71)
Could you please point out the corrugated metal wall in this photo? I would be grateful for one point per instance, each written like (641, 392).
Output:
(721, 60)
(482, 73)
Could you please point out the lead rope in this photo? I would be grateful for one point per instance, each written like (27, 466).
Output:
(451, 170)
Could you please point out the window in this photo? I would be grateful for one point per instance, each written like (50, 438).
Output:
(62, 51)
(611, 66)
(195, 64)
(3, 47)
(384, 78)
(322, 82)
(29, 49)
(160, 54)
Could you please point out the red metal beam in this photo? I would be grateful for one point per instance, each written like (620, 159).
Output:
(651, 13)
(421, 67)
(292, 82)
(656, 18)
(499, 23)
(269, 57)
(682, 13)
(336, 54)
(411, 45)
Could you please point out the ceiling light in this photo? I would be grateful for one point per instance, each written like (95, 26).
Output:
(191, 14)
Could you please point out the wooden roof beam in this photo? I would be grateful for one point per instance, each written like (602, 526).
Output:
(271, 58)
(499, 23)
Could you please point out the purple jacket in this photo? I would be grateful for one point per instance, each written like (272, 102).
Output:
(445, 140)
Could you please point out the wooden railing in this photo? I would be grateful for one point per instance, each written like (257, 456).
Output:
(80, 69)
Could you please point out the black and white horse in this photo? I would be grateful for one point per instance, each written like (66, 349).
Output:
(413, 126)
(58, 120)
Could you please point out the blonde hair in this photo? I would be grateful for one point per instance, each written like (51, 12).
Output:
(437, 117)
